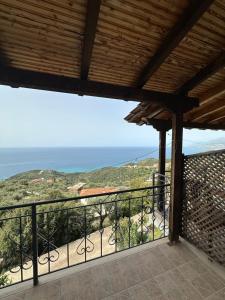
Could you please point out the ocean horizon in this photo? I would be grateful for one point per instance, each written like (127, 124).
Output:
(73, 159)
(68, 159)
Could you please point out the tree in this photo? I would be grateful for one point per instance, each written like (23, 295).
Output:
(54, 194)
(129, 235)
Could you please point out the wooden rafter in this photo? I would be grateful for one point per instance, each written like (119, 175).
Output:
(207, 112)
(38, 80)
(216, 116)
(220, 119)
(4, 60)
(93, 8)
(215, 92)
(208, 103)
(203, 74)
(148, 111)
(171, 41)
(155, 113)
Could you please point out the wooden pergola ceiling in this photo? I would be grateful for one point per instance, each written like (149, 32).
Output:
(163, 54)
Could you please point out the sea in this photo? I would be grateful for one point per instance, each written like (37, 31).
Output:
(70, 160)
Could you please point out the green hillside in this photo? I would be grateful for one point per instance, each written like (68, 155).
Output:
(38, 185)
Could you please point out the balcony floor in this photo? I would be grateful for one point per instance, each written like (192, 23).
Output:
(153, 271)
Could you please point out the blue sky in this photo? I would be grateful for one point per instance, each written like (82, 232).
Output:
(30, 118)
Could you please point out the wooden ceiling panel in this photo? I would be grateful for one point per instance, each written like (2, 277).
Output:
(44, 36)
(200, 46)
(133, 29)
(49, 36)
(213, 81)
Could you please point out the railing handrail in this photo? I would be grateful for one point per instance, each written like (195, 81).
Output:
(30, 204)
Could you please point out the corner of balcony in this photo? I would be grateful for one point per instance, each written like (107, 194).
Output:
(151, 271)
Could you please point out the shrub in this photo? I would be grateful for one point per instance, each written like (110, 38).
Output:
(4, 280)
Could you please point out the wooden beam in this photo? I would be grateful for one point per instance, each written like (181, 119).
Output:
(203, 74)
(204, 126)
(190, 17)
(176, 178)
(37, 80)
(93, 8)
(157, 124)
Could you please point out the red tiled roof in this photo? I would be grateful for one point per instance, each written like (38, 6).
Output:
(93, 191)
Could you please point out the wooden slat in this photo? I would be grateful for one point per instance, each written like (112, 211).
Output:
(212, 109)
(216, 80)
(213, 93)
(218, 121)
(203, 74)
(47, 36)
(154, 113)
(93, 8)
(215, 117)
(207, 108)
(188, 20)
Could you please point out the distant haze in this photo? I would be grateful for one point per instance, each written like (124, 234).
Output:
(31, 118)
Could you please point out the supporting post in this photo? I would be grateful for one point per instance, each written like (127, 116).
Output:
(176, 178)
(162, 166)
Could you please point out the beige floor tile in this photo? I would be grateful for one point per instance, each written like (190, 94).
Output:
(216, 282)
(204, 286)
(124, 295)
(43, 292)
(218, 296)
(185, 287)
(159, 273)
(152, 288)
(189, 271)
(18, 297)
(138, 293)
(180, 251)
(165, 283)
(163, 260)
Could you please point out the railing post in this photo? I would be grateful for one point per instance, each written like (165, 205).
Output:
(153, 184)
(162, 167)
(34, 244)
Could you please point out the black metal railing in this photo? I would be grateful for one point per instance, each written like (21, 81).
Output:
(43, 237)
(160, 180)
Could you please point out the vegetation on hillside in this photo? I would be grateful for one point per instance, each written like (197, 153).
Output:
(63, 223)
(39, 185)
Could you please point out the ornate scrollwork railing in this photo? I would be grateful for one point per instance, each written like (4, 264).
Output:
(52, 235)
